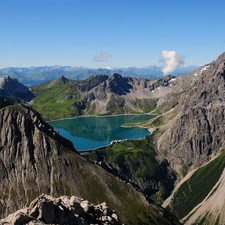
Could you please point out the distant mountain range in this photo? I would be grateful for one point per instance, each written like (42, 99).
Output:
(36, 75)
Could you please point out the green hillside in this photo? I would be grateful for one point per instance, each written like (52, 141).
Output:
(54, 100)
(136, 160)
(195, 189)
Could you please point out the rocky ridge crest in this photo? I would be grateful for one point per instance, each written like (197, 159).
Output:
(46, 209)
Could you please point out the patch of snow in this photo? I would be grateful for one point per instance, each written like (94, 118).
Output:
(204, 68)
(196, 74)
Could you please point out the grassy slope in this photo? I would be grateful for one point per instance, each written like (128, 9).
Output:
(47, 100)
(137, 160)
(195, 189)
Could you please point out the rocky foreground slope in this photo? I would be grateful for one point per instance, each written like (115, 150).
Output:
(73, 210)
(34, 159)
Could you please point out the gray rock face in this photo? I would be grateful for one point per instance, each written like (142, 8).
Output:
(46, 209)
(199, 131)
(11, 87)
(116, 94)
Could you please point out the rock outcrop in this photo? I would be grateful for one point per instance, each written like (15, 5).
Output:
(46, 209)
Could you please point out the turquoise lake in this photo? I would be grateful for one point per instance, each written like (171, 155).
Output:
(92, 132)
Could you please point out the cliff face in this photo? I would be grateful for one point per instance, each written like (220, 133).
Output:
(34, 159)
(197, 132)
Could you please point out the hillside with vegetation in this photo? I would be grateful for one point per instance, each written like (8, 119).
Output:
(136, 162)
(98, 95)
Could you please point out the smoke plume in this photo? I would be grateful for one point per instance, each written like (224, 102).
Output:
(171, 61)
(104, 56)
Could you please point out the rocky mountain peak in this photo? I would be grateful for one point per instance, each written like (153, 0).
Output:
(11, 87)
(92, 82)
(221, 57)
(60, 80)
(116, 76)
(63, 79)
(118, 84)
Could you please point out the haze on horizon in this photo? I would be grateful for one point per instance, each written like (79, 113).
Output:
(113, 33)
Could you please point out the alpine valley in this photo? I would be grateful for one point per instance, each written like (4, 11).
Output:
(174, 176)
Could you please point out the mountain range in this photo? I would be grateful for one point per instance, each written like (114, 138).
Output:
(30, 76)
(180, 165)
(98, 95)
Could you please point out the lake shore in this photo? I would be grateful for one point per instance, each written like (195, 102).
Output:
(93, 132)
(75, 117)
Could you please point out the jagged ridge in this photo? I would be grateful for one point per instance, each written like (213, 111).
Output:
(46, 209)
(99, 95)
(11, 87)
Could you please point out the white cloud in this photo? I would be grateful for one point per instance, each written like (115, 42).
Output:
(171, 60)
(104, 56)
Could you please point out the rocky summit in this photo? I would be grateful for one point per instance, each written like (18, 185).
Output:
(12, 88)
(73, 210)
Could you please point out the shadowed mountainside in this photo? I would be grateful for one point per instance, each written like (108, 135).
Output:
(12, 88)
(34, 159)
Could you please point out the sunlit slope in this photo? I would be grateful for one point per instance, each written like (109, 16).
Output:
(98, 95)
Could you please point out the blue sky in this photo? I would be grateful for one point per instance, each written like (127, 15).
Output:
(125, 32)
